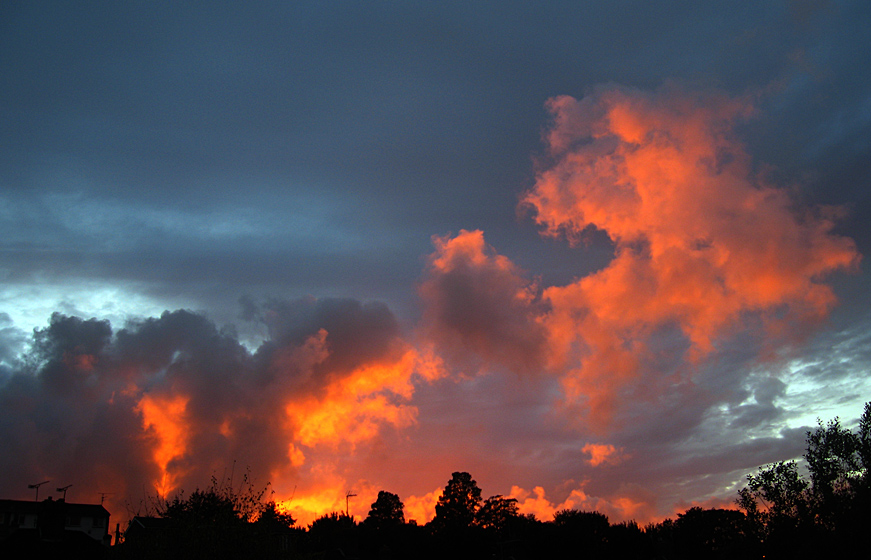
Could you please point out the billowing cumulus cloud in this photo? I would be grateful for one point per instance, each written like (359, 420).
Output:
(602, 454)
(630, 502)
(704, 249)
(717, 275)
(479, 305)
(703, 242)
(628, 373)
(165, 403)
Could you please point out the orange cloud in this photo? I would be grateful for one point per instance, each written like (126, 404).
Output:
(603, 454)
(628, 503)
(354, 407)
(537, 504)
(701, 240)
(164, 418)
(322, 495)
(327, 426)
(301, 417)
(422, 508)
(480, 309)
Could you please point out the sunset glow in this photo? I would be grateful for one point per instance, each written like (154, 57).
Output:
(601, 258)
(164, 418)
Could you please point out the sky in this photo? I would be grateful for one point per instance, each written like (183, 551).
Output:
(601, 255)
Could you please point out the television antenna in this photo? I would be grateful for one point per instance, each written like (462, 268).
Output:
(103, 496)
(36, 487)
(348, 496)
(64, 490)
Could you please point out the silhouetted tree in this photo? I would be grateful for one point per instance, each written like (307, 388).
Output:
(711, 533)
(217, 522)
(776, 493)
(334, 535)
(273, 534)
(386, 511)
(218, 503)
(203, 508)
(800, 518)
(588, 522)
(272, 519)
(587, 530)
(458, 503)
(573, 530)
(838, 463)
(863, 435)
(206, 523)
(331, 522)
(627, 541)
(777, 503)
(497, 513)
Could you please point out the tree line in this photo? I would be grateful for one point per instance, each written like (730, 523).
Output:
(782, 512)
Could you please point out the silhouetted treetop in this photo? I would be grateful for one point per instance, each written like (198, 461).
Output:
(331, 522)
(387, 511)
(219, 504)
(272, 519)
(458, 503)
(496, 513)
(796, 516)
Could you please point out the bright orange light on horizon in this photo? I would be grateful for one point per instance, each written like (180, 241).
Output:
(701, 242)
(355, 407)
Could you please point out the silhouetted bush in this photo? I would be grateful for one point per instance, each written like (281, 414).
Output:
(783, 515)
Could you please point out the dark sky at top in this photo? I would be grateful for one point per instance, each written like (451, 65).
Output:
(287, 167)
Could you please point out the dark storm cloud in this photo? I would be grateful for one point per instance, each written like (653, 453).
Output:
(184, 155)
(194, 145)
(477, 304)
(358, 332)
(79, 407)
(61, 418)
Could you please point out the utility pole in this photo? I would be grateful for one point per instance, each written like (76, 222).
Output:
(348, 496)
(64, 490)
(36, 487)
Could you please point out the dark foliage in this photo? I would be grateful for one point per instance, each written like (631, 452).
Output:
(824, 514)
(215, 523)
(497, 514)
(458, 503)
(387, 511)
(712, 533)
(783, 514)
(627, 541)
(334, 535)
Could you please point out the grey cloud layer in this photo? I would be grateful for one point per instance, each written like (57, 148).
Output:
(196, 154)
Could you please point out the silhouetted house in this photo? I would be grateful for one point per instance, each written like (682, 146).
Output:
(52, 527)
(51, 518)
(16, 514)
